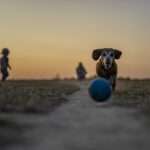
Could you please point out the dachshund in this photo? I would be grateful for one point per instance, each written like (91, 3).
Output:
(107, 67)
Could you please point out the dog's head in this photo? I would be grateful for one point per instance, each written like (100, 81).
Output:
(107, 56)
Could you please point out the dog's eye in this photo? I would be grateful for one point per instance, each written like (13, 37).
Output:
(112, 55)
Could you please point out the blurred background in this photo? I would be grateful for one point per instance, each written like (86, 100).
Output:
(49, 38)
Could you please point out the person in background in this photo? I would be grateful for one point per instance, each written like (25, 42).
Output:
(4, 63)
(81, 71)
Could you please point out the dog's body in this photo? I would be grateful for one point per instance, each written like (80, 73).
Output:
(107, 67)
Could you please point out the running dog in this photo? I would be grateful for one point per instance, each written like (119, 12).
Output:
(107, 66)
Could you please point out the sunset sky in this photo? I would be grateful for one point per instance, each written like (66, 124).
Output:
(49, 37)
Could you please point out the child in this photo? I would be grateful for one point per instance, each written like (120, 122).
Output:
(81, 71)
(4, 63)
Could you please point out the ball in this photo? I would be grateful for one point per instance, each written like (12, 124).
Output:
(100, 90)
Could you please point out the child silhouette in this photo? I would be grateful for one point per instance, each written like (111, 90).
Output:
(81, 71)
(4, 63)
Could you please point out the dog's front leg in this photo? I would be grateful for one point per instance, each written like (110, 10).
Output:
(112, 81)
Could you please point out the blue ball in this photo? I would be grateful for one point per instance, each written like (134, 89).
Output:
(100, 90)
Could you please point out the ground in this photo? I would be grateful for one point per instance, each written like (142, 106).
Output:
(83, 124)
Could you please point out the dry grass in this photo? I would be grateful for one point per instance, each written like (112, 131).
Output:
(29, 97)
(134, 93)
(34, 96)
(44, 95)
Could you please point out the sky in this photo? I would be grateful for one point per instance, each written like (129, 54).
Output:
(49, 37)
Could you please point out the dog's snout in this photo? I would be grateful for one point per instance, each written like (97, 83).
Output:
(108, 61)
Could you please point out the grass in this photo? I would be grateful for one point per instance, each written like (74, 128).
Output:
(29, 97)
(34, 96)
(133, 93)
(44, 95)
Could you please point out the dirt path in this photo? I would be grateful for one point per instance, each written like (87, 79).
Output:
(82, 124)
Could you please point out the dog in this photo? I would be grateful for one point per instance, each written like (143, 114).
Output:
(107, 67)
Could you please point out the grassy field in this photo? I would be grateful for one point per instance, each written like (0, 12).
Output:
(28, 97)
(45, 95)
(34, 96)
(133, 93)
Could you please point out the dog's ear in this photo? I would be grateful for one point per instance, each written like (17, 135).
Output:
(118, 54)
(96, 53)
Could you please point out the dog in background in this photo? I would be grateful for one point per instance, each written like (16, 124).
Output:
(107, 66)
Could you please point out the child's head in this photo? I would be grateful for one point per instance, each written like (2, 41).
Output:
(5, 51)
